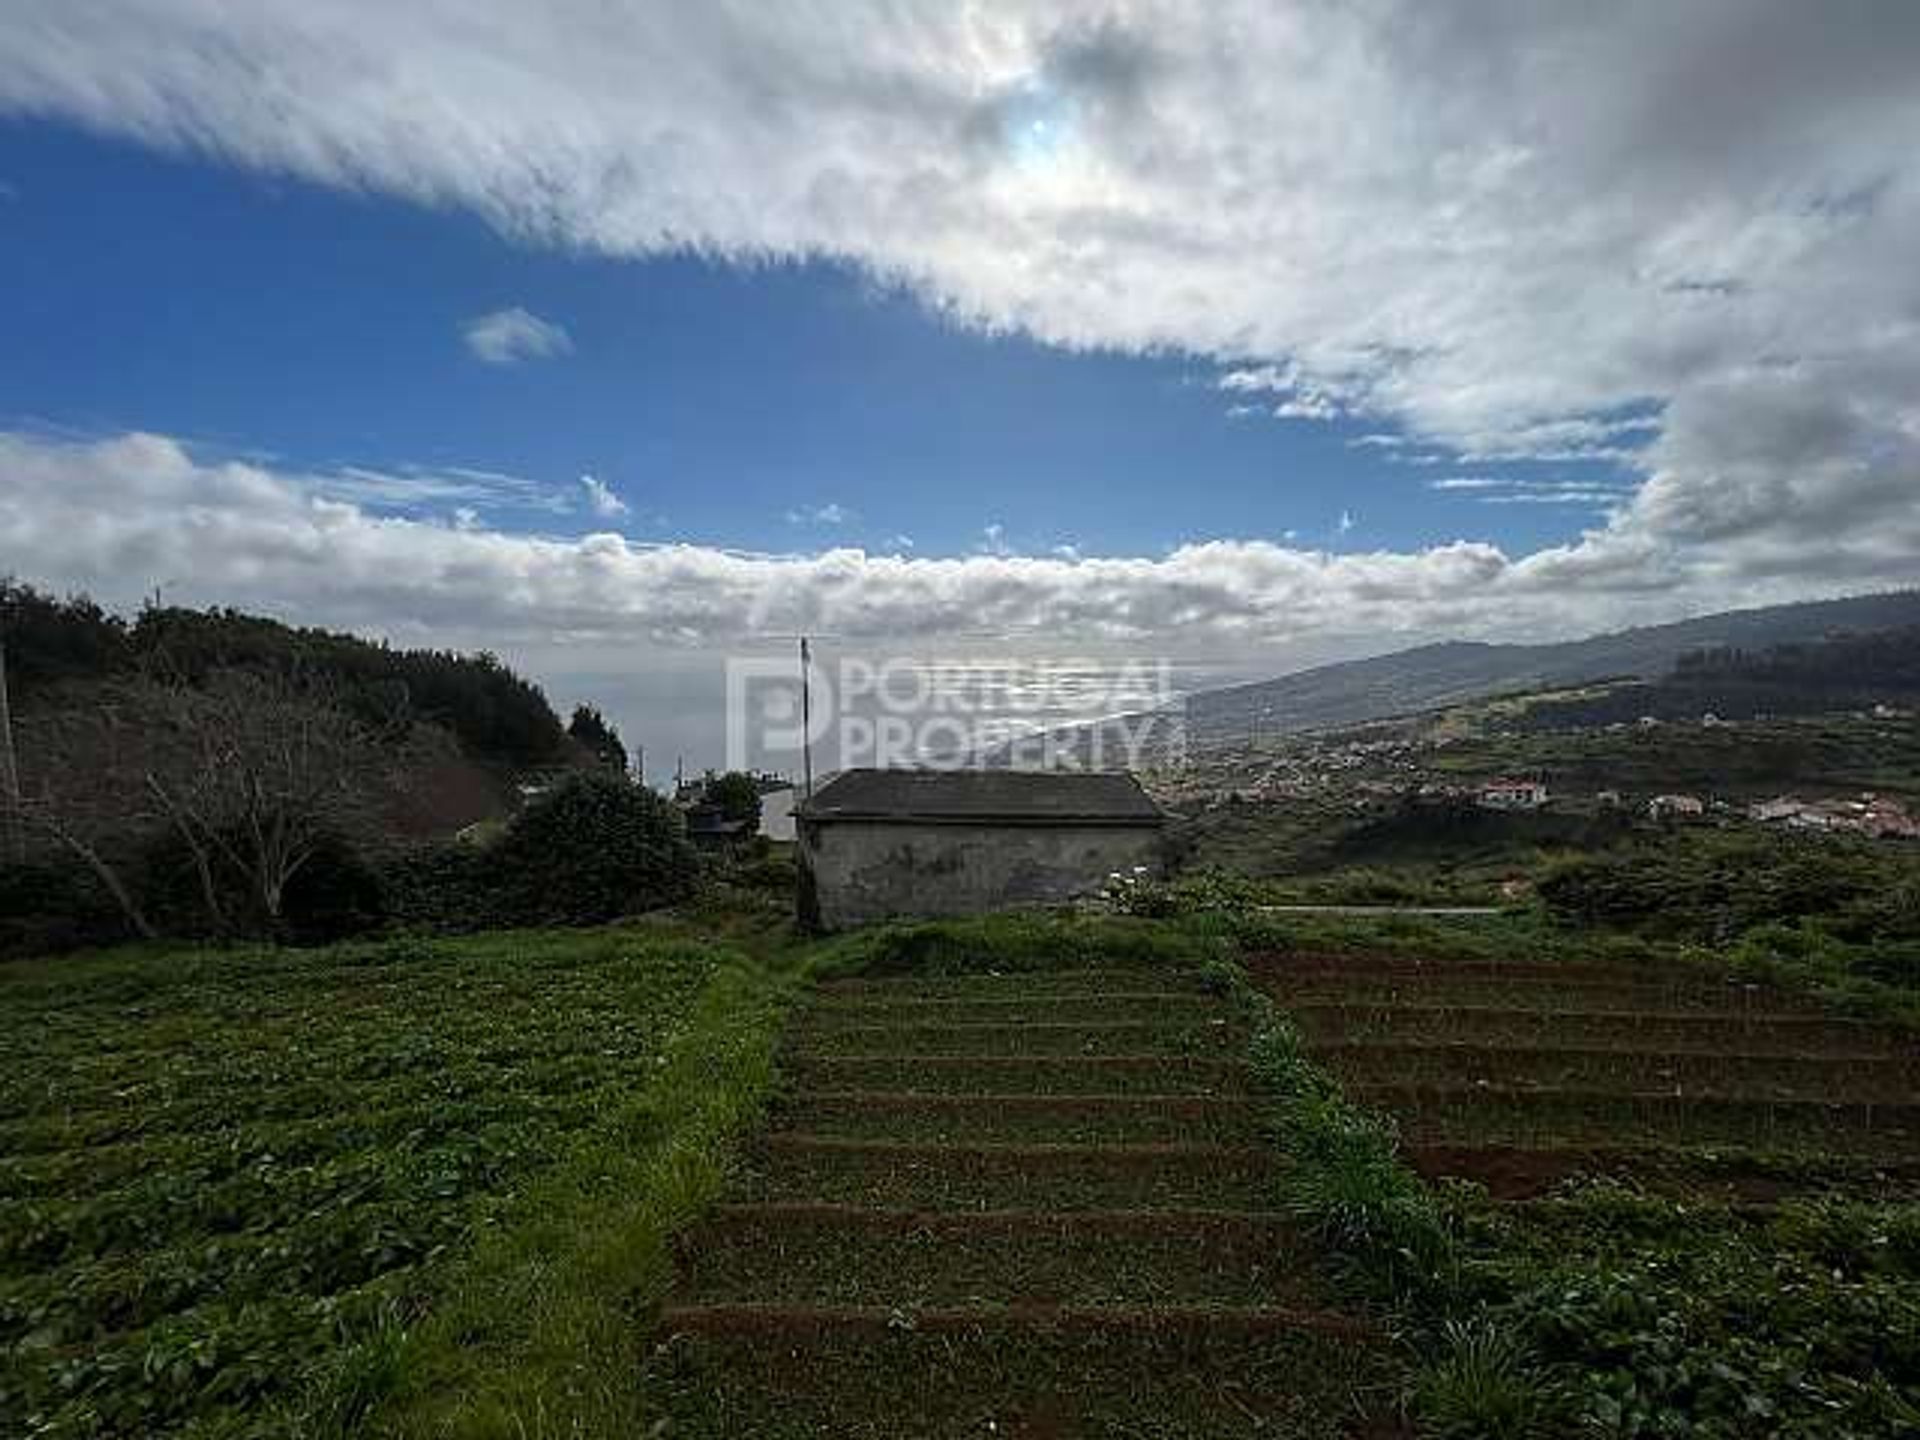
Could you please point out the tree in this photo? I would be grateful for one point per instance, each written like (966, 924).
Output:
(592, 849)
(257, 776)
(82, 791)
(591, 729)
(737, 797)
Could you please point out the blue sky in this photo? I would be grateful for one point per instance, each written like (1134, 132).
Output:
(784, 405)
(1261, 331)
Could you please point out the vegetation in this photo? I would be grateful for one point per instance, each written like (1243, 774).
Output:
(502, 1351)
(418, 1220)
(1012, 1185)
(592, 849)
(1654, 1299)
(499, 718)
(736, 795)
(1842, 672)
(214, 1206)
(600, 740)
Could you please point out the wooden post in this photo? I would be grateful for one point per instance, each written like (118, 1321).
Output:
(9, 769)
(806, 718)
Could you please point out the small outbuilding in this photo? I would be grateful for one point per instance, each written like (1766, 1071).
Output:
(886, 844)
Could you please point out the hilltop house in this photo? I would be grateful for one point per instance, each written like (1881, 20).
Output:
(1676, 807)
(878, 844)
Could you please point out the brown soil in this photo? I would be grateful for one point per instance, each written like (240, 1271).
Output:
(992, 1156)
(1192, 1107)
(1901, 1113)
(1118, 1223)
(1361, 965)
(1517, 1172)
(1198, 1322)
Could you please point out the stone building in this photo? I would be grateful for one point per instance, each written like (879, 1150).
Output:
(885, 844)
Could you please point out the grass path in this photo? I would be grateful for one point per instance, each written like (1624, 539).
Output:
(1035, 1206)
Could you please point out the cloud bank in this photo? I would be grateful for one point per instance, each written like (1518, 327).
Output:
(119, 516)
(1677, 237)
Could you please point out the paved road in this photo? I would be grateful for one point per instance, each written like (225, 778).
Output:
(1455, 910)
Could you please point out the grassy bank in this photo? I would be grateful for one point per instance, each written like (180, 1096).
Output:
(541, 1331)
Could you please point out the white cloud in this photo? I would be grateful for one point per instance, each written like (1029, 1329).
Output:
(1673, 237)
(507, 337)
(601, 499)
(1583, 494)
(114, 515)
(413, 488)
(831, 513)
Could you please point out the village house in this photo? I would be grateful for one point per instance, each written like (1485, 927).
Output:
(1676, 807)
(1507, 794)
(1880, 817)
(880, 844)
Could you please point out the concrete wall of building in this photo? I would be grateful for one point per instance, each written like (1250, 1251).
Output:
(776, 814)
(865, 871)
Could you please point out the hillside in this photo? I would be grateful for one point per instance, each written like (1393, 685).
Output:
(1428, 676)
(501, 720)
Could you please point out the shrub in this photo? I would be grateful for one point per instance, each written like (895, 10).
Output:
(738, 798)
(48, 905)
(443, 887)
(336, 893)
(593, 849)
(1204, 891)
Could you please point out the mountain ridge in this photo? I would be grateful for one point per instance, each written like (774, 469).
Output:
(1448, 671)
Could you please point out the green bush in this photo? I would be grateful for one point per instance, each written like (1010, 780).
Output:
(337, 894)
(49, 905)
(444, 887)
(593, 849)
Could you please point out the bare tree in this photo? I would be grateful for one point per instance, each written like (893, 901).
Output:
(252, 773)
(80, 788)
(258, 772)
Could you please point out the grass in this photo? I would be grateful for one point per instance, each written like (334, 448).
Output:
(538, 1333)
(242, 1190)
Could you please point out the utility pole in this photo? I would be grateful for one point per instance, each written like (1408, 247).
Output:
(806, 719)
(9, 767)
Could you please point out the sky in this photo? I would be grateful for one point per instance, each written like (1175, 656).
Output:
(620, 337)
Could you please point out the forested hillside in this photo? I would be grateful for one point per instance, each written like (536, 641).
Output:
(1841, 673)
(216, 774)
(499, 718)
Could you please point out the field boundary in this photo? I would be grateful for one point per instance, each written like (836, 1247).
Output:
(539, 1328)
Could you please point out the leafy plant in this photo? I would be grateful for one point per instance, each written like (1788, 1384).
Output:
(592, 849)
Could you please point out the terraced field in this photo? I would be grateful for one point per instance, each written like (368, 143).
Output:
(1011, 1206)
(1519, 1074)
